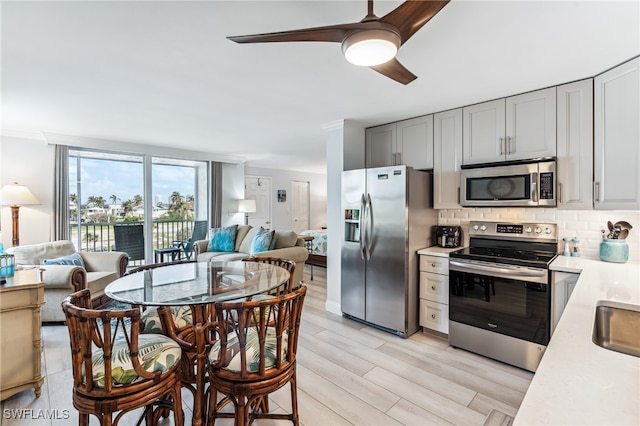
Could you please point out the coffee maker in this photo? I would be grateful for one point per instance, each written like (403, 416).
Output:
(448, 236)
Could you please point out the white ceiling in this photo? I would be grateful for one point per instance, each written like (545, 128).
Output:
(163, 73)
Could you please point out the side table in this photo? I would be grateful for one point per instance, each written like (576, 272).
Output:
(21, 342)
(174, 252)
(309, 245)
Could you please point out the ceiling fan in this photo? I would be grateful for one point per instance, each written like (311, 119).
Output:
(372, 42)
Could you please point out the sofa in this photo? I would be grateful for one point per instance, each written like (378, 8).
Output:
(98, 270)
(285, 245)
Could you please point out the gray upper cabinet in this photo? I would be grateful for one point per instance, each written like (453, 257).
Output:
(516, 128)
(483, 135)
(447, 150)
(575, 145)
(617, 138)
(408, 142)
(380, 145)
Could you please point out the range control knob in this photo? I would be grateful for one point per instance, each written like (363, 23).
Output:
(547, 230)
(528, 230)
(475, 227)
(483, 228)
(538, 230)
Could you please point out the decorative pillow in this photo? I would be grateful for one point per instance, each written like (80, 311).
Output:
(243, 230)
(233, 358)
(223, 239)
(262, 241)
(285, 239)
(72, 259)
(245, 245)
(150, 318)
(155, 352)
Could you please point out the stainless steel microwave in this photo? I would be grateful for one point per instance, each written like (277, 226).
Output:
(526, 184)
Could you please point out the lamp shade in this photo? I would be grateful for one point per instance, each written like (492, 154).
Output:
(247, 206)
(17, 195)
(370, 48)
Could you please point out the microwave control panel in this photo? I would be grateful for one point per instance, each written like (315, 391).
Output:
(546, 186)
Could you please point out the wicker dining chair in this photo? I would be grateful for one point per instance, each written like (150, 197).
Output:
(255, 356)
(287, 264)
(117, 370)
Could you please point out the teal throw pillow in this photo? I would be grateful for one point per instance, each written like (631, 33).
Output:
(72, 259)
(262, 241)
(223, 239)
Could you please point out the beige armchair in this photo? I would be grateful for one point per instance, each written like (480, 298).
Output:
(100, 269)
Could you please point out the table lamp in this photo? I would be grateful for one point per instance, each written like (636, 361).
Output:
(246, 207)
(16, 195)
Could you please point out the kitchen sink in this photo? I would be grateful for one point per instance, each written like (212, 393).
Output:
(617, 327)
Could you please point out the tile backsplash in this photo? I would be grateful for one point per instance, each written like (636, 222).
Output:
(583, 224)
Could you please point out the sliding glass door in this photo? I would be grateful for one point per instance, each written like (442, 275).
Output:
(134, 203)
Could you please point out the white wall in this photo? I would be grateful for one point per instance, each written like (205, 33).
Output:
(281, 179)
(30, 162)
(345, 151)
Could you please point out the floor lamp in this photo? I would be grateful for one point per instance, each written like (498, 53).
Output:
(15, 196)
(246, 207)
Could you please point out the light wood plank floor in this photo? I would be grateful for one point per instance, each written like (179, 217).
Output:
(348, 374)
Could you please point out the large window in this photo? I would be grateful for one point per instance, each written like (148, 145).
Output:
(155, 196)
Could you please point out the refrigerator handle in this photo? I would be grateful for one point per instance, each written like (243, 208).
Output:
(369, 225)
(361, 240)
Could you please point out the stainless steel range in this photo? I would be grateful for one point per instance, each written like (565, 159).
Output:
(500, 292)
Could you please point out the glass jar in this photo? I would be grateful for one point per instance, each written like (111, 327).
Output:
(614, 250)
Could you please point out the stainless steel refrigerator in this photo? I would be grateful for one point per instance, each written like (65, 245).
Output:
(388, 216)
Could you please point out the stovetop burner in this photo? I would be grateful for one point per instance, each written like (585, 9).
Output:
(511, 256)
(509, 243)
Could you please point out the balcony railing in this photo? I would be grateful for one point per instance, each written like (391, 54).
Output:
(99, 236)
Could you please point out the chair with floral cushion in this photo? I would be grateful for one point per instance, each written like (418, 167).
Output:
(287, 264)
(254, 356)
(117, 370)
(177, 322)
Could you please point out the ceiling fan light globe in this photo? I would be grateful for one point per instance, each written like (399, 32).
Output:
(370, 48)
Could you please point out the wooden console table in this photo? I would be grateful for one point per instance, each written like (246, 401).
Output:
(20, 339)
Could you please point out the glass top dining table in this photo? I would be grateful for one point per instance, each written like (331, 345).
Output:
(195, 283)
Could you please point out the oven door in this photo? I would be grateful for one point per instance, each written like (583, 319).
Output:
(507, 299)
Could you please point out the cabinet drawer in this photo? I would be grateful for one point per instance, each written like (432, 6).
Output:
(435, 264)
(434, 316)
(434, 287)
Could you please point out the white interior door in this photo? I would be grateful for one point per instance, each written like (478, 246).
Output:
(299, 206)
(259, 188)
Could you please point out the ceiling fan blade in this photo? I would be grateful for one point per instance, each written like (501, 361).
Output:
(410, 16)
(395, 71)
(332, 33)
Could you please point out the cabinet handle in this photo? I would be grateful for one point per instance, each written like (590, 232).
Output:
(501, 146)
(433, 265)
(433, 316)
(509, 148)
(596, 192)
(560, 192)
(433, 288)
(399, 159)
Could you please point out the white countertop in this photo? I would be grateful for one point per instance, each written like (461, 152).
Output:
(578, 382)
(438, 251)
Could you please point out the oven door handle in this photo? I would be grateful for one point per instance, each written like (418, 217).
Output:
(518, 272)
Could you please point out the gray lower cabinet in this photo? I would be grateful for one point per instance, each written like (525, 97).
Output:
(563, 285)
(616, 156)
(434, 293)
